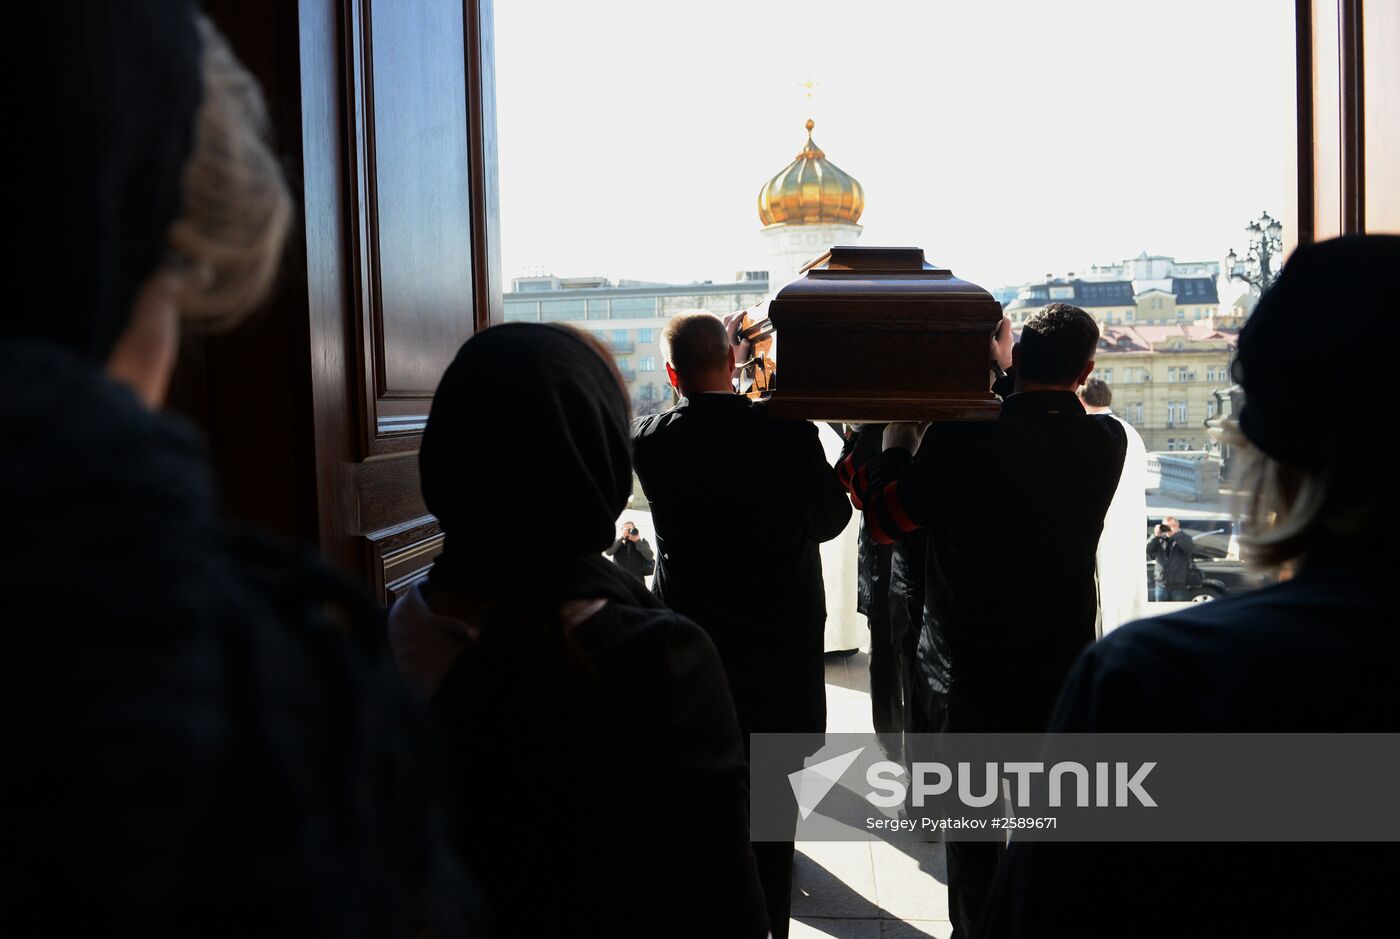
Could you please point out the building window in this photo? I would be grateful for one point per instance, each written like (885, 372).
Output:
(633, 307)
(1135, 412)
(645, 335)
(1210, 408)
(554, 310)
(1176, 413)
(518, 311)
(646, 363)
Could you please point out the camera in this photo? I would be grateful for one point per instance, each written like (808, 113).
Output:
(633, 531)
(1164, 529)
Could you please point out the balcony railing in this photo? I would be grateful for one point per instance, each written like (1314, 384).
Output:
(623, 347)
(1191, 477)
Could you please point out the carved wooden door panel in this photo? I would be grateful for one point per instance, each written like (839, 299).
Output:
(384, 115)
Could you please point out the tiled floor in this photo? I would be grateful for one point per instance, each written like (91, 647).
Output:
(865, 890)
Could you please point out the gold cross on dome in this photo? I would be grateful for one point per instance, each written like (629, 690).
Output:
(809, 88)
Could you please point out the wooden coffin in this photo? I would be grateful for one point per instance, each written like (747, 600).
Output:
(874, 334)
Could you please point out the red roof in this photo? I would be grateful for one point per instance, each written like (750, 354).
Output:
(1156, 337)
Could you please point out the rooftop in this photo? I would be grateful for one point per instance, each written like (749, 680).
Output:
(1159, 338)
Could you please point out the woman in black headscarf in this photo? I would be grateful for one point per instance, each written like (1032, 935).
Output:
(193, 745)
(598, 777)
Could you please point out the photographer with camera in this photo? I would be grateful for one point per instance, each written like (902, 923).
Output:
(1171, 548)
(632, 552)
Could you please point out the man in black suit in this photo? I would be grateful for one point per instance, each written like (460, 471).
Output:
(1013, 510)
(755, 584)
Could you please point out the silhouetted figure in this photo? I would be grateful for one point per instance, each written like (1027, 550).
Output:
(741, 503)
(873, 560)
(1013, 620)
(597, 774)
(204, 734)
(1315, 653)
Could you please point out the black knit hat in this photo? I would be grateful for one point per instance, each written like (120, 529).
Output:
(109, 125)
(1307, 341)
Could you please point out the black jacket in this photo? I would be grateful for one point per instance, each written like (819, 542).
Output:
(635, 726)
(1013, 618)
(191, 743)
(1172, 555)
(741, 502)
(1314, 654)
(634, 557)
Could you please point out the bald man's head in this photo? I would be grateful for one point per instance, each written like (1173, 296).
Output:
(698, 354)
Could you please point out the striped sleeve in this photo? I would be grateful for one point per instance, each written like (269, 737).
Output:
(880, 488)
(846, 469)
(886, 517)
(851, 469)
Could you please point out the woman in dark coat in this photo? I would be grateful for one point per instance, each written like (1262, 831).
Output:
(1315, 653)
(201, 735)
(597, 774)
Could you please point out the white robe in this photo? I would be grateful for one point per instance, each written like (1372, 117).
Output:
(845, 628)
(1122, 565)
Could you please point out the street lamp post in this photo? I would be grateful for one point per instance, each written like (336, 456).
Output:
(1265, 250)
(1258, 269)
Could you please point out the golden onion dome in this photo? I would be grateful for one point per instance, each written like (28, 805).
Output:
(811, 190)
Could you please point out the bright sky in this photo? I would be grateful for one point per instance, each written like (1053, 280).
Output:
(1008, 138)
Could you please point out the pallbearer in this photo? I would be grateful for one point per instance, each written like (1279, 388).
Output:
(740, 501)
(1013, 510)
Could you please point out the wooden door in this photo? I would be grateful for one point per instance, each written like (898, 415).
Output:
(384, 116)
(1348, 117)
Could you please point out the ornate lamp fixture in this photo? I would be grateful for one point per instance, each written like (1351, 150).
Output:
(1258, 268)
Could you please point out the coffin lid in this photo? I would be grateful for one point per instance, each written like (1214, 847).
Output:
(878, 273)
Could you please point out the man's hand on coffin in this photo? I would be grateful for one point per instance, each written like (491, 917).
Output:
(1002, 342)
(904, 435)
(743, 351)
